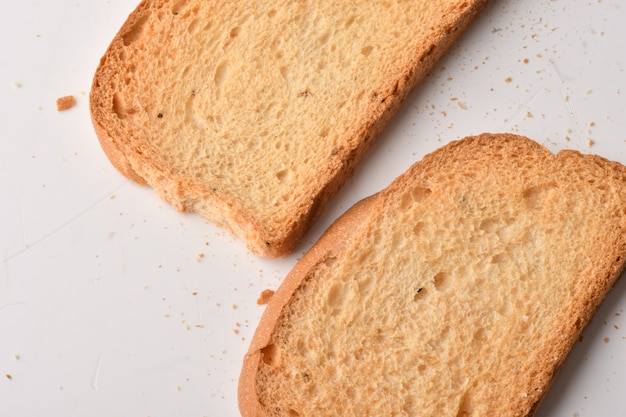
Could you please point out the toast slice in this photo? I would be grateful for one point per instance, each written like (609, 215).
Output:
(255, 113)
(457, 291)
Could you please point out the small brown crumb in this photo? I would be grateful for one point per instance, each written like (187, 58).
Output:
(9, 377)
(65, 103)
(606, 340)
(591, 142)
(265, 297)
(508, 79)
(525, 60)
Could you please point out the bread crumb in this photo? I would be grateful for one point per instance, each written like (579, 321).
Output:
(16, 357)
(265, 297)
(591, 142)
(9, 377)
(606, 340)
(65, 103)
(17, 85)
(199, 257)
(508, 79)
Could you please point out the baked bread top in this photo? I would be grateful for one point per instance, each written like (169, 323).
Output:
(457, 291)
(254, 113)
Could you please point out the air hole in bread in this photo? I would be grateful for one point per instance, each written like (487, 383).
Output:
(441, 280)
(118, 106)
(220, 74)
(270, 354)
(283, 175)
(465, 406)
(192, 26)
(134, 32)
(537, 197)
(364, 284)
(480, 337)
(178, 6)
(330, 260)
(420, 193)
(324, 38)
(499, 258)
(422, 228)
(336, 297)
(419, 293)
(489, 225)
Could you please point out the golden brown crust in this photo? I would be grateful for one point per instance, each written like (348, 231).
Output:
(135, 158)
(601, 270)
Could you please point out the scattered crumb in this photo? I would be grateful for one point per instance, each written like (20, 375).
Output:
(65, 103)
(236, 331)
(199, 257)
(525, 61)
(17, 85)
(9, 377)
(529, 114)
(234, 306)
(112, 197)
(592, 124)
(591, 142)
(606, 340)
(265, 297)
(178, 388)
(461, 106)
(16, 357)
(508, 79)
(199, 326)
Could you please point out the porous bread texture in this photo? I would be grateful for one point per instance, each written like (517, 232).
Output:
(457, 291)
(254, 113)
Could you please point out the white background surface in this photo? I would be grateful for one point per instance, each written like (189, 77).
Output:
(108, 308)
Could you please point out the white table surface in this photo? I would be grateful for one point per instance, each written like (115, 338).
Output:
(114, 304)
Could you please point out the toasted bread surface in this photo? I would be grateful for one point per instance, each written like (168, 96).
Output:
(254, 114)
(457, 291)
